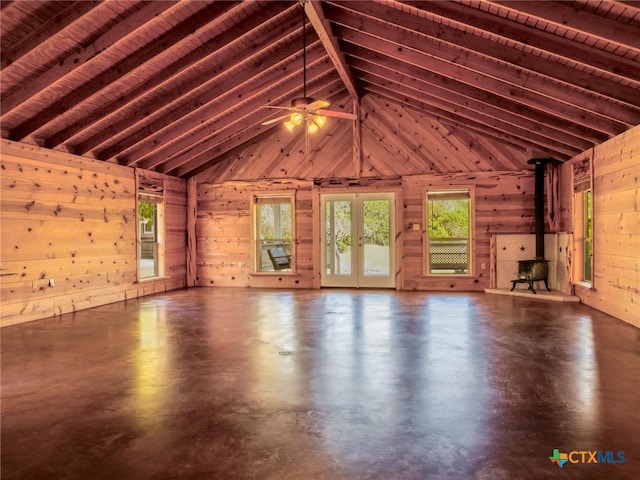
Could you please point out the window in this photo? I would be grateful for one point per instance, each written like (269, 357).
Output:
(588, 236)
(150, 228)
(582, 223)
(274, 233)
(449, 227)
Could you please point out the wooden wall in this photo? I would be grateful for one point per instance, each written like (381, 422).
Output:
(503, 204)
(399, 145)
(616, 225)
(72, 219)
(224, 236)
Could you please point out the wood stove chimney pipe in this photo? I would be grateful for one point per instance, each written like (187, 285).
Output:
(540, 164)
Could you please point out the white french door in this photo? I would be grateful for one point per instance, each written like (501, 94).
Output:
(358, 240)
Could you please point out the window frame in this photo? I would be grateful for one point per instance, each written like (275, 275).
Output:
(258, 198)
(159, 234)
(470, 191)
(150, 189)
(583, 258)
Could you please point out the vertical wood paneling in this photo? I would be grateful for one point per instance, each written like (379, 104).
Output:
(73, 220)
(224, 235)
(616, 226)
(503, 203)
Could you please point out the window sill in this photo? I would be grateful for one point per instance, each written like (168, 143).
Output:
(152, 279)
(438, 275)
(274, 274)
(587, 285)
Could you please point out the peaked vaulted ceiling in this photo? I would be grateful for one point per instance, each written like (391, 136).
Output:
(176, 86)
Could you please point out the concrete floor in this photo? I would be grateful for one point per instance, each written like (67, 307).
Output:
(327, 384)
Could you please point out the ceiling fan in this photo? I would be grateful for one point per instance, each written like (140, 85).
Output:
(306, 110)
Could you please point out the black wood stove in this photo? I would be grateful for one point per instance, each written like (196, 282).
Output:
(530, 271)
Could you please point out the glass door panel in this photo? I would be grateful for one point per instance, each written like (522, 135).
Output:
(358, 233)
(338, 225)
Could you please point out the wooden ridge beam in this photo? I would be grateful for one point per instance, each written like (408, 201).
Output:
(330, 43)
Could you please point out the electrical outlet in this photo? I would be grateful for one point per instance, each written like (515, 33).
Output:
(483, 266)
(51, 283)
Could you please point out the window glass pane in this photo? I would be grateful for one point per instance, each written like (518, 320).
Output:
(148, 231)
(449, 232)
(338, 242)
(588, 243)
(274, 231)
(376, 228)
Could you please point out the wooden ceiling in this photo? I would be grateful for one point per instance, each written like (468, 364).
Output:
(176, 86)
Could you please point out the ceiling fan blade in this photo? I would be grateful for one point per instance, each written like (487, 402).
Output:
(279, 108)
(334, 113)
(317, 104)
(275, 120)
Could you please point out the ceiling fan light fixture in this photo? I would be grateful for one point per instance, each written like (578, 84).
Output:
(312, 126)
(296, 118)
(289, 125)
(320, 120)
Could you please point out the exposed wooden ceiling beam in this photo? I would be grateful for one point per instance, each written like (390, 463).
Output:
(214, 59)
(200, 159)
(564, 15)
(39, 37)
(221, 95)
(218, 112)
(65, 60)
(483, 75)
(183, 73)
(464, 65)
(545, 42)
(119, 68)
(445, 109)
(322, 27)
(525, 118)
(409, 18)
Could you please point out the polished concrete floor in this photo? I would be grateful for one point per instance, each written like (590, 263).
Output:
(326, 384)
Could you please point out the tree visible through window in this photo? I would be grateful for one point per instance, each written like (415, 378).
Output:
(149, 235)
(449, 231)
